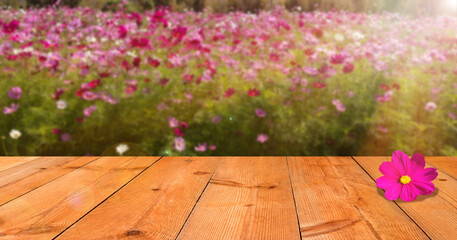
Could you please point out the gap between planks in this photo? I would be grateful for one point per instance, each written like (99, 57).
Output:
(107, 198)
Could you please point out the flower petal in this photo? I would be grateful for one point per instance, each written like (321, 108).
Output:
(423, 188)
(385, 182)
(426, 175)
(408, 193)
(389, 169)
(417, 164)
(401, 161)
(394, 192)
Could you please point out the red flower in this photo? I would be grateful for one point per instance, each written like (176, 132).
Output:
(11, 26)
(337, 58)
(274, 57)
(153, 62)
(317, 32)
(188, 78)
(348, 68)
(57, 94)
(385, 87)
(122, 30)
(136, 62)
(184, 124)
(309, 51)
(179, 132)
(179, 32)
(396, 86)
(94, 83)
(253, 92)
(104, 74)
(56, 131)
(229, 92)
(163, 81)
(319, 85)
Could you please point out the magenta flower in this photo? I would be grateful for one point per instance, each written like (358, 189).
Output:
(11, 109)
(406, 178)
(88, 111)
(262, 138)
(260, 112)
(65, 137)
(15, 93)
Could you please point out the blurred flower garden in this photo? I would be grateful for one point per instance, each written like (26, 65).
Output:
(279, 82)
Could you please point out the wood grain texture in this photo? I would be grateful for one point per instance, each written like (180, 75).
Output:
(9, 162)
(436, 214)
(46, 211)
(28, 176)
(247, 198)
(447, 165)
(154, 205)
(336, 199)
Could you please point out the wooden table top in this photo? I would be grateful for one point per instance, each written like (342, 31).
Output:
(217, 198)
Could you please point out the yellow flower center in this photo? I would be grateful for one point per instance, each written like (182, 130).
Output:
(405, 179)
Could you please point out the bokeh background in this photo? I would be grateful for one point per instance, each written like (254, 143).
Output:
(228, 77)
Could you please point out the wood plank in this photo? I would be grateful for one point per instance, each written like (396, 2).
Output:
(247, 198)
(48, 210)
(25, 177)
(447, 165)
(154, 205)
(9, 162)
(336, 199)
(436, 214)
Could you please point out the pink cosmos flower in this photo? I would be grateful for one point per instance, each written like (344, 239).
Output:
(339, 105)
(430, 106)
(11, 109)
(201, 147)
(173, 122)
(180, 144)
(212, 147)
(260, 112)
(65, 137)
(262, 138)
(383, 129)
(88, 111)
(452, 115)
(216, 119)
(406, 178)
(15, 93)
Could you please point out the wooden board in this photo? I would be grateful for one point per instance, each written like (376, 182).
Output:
(247, 198)
(23, 178)
(436, 214)
(154, 205)
(336, 199)
(9, 162)
(48, 210)
(447, 165)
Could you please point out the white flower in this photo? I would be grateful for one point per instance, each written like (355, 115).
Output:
(339, 37)
(122, 148)
(61, 104)
(358, 36)
(15, 134)
(430, 106)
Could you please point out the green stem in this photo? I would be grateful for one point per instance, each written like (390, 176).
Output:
(4, 146)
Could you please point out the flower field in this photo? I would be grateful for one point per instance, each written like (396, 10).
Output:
(86, 82)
